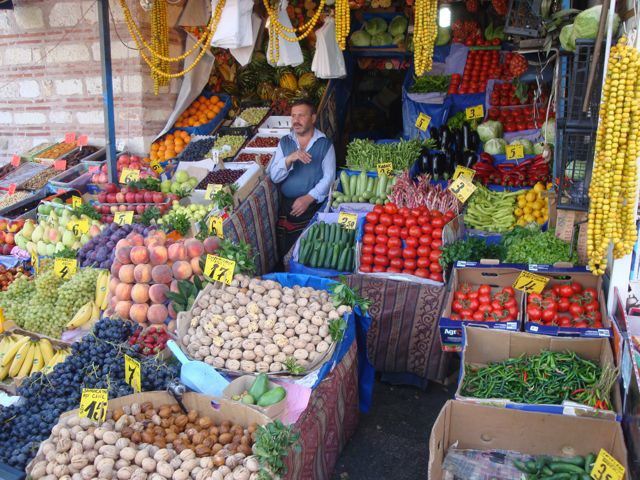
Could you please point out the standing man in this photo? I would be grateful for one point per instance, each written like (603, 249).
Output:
(304, 168)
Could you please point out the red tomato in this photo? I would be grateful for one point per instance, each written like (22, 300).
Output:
(393, 231)
(534, 313)
(368, 239)
(424, 263)
(421, 272)
(404, 233)
(484, 308)
(380, 249)
(410, 221)
(592, 306)
(415, 212)
(380, 229)
(478, 316)
(409, 253)
(365, 268)
(367, 249)
(381, 261)
(425, 240)
(435, 254)
(415, 231)
(393, 270)
(404, 211)
(564, 321)
(391, 208)
(410, 264)
(372, 217)
(426, 229)
(366, 259)
(378, 209)
(408, 271)
(411, 241)
(436, 276)
(548, 315)
(424, 251)
(581, 324)
(394, 242)
(437, 222)
(397, 263)
(436, 244)
(398, 220)
(435, 267)
(576, 310)
(395, 252)
(563, 304)
(507, 290)
(423, 220)
(566, 291)
(379, 269)
(590, 294)
(386, 219)
(437, 233)
(484, 299)
(466, 314)
(382, 239)
(484, 289)
(369, 228)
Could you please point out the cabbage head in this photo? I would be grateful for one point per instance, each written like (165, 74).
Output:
(398, 25)
(444, 36)
(527, 146)
(489, 129)
(585, 25)
(567, 40)
(375, 25)
(495, 146)
(549, 131)
(360, 38)
(538, 148)
(381, 39)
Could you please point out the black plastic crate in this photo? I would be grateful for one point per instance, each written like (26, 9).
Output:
(523, 18)
(574, 154)
(572, 87)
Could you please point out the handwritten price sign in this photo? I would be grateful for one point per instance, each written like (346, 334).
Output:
(514, 152)
(606, 467)
(129, 175)
(220, 269)
(215, 226)
(123, 218)
(65, 268)
(423, 121)
(462, 187)
(463, 172)
(473, 113)
(347, 220)
(530, 282)
(93, 404)
(132, 373)
(384, 168)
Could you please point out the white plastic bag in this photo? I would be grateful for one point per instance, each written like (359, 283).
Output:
(243, 54)
(290, 52)
(234, 28)
(328, 61)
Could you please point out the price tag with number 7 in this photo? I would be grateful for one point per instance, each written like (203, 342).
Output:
(219, 269)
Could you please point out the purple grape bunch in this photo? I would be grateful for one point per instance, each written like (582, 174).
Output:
(100, 251)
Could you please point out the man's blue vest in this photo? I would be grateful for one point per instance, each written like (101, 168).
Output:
(303, 176)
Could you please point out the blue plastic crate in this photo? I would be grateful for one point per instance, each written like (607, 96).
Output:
(210, 126)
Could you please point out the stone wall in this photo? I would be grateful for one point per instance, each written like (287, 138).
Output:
(50, 76)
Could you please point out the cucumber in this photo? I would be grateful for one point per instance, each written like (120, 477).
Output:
(362, 183)
(348, 267)
(336, 194)
(344, 181)
(343, 260)
(361, 199)
(369, 183)
(376, 182)
(313, 261)
(333, 233)
(327, 258)
(321, 254)
(304, 248)
(353, 185)
(368, 194)
(382, 185)
(311, 234)
(335, 255)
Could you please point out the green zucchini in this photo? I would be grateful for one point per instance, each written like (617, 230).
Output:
(382, 185)
(347, 266)
(362, 183)
(302, 251)
(327, 257)
(313, 261)
(272, 397)
(369, 183)
(353, 185)
(335, 255)
(343, 260)
(344, 180)
(321, 254)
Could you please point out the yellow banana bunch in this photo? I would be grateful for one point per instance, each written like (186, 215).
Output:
(21, 356)
(102, 289)
(59, 357)
(82, 316)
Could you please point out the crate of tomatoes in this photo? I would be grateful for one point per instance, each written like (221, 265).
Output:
(403, 243)
(572, 304)
(480, 295)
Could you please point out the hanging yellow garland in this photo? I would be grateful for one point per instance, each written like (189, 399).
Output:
(343, 22)
(425, 31)
(160, 43)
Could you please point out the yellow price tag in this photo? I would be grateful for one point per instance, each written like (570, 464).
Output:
(133, 373)
(93, 404)
(211, 190)
(78, 227)
(475, 112)
(35, 261)
(606, 467)
(215, 226)
(76, 201)
(123, 218)
(348, 220)
(514, 152)
(462, 187)
(423, 121)
(1, 320)
(156, 167)
(463, 172)
(129, 175)
(65, 268)
(384, 168)
(530, 282)
(220, 269)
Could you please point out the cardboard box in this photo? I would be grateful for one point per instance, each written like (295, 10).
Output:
(497, 276)
(482, 347)
(468, 426)
(243, 384)
(564, 276)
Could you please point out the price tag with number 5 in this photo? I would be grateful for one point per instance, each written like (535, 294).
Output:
(514, 152)
(123, 218)
(156, 167)
(423, 121)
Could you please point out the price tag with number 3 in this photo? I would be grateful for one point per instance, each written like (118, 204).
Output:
(462, 187)
(606, 467)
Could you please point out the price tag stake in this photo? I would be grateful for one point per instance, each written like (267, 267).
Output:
(347, 220)
(132, 373)
(606, 467)
(93, 404)
(220, 269)
(530, 282)
(423, 121)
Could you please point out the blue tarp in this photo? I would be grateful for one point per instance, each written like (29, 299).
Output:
(357, 327)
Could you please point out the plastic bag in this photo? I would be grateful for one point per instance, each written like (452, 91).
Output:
(243, 54)
(482, 464)
(290, 52)
(328, 61)
(234, 28)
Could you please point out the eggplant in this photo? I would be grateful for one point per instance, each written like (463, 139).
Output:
(445, 137)
(458, 139)
(466, 138)
(425, 162)
(435, 135)
(458, 159)
(470, 159)
(474, 141)
(447, 162)
(439, 165)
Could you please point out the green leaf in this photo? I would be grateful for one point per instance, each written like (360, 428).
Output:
(197, 282)
(174, 297)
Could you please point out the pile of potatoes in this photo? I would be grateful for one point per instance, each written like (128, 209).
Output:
(79, 449)
(256, 325)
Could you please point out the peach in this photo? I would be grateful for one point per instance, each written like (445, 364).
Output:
(211, 244)
(161, 274)
(113, 283)
(140, 293)
(158, 255)
(177, 252)
(174, 287)
(123, 291)
(122, 255)
(151, 241)
(157, 313)
(172, 325)
(112, 304)
(194, 247)
(172, 312)
(122, 309)
(127, 273)
(158, 293)
(195, 265)
(136, 239)
(142, 273)
(181, 270)
(139, 255)
(138, 312)
(123, 242)
(115, 268)
(160, 236)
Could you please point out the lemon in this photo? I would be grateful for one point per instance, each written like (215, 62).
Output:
(540, 220)
(528, 210)
(539, 204)
(531, 197)
(518, 212)
(521, 222)
(529, 218)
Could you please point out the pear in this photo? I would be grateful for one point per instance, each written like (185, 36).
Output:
(36, 236)
(41, 248)
(50, 249)
(68, 238)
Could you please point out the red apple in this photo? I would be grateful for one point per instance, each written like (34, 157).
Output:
(105, 209)
(139, 197)
(111, 197)
(130, 197)
(158, 197)
(148, 196)
(140, 209)
(102, 197)
(8, 238)
(111, 188)
(124, 158)
(120, 197)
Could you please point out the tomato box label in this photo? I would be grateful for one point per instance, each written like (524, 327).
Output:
(220, 269)
(423, 121)
(93, 404)
(530, 282)
(83, 141)
(70, 137)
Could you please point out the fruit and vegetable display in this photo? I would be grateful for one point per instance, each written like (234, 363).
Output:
(377, 33)
(228, 145)
(149, 341)
(404, 240)
(57, 150)
(506, 94)
(264, 142)
(100, 251)
(565, 305)
(259, 158)
(253, 115)
(523, 173)
(181, 184)
(169, 146)
(431, 83)
(491, 211)
(470, 249)
(134, 162)
(236, 327)
(451, 146)
(548, 378)
(8, 275)
(481, 66)
(366, 155)
(328, 245)
(226, 176)
(193, 213)
(408, 193)
(261, 394)
(72, 159)
(484, 304)
(362, 188)
(202, 110)
(516, 119)
(8, 200)
(197, 149)
(22, 355)
(96, 361)
(545, 467)
(8, 231)
(466, 30)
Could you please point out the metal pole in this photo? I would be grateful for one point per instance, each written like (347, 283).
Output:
(107, 89)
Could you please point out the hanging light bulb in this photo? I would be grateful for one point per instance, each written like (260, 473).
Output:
(444, 17)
